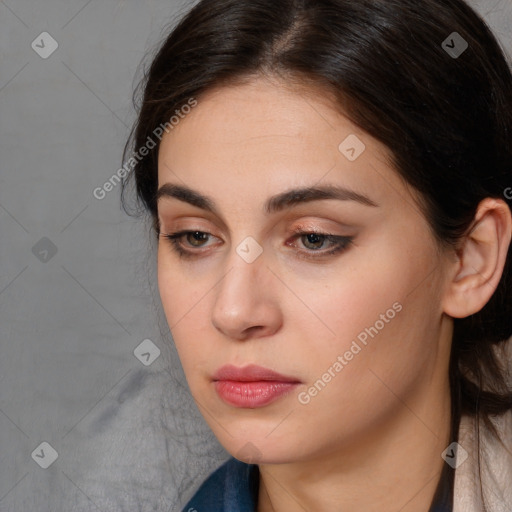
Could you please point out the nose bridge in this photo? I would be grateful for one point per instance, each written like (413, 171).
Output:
(245, 266)
(242, 299)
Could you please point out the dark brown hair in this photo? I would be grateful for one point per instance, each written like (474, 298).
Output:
(447, 119)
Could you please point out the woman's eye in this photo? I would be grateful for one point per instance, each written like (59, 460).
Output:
(313, 242)
(193, 238)
(196, 238)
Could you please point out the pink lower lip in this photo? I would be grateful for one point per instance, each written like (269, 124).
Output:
(252, 394)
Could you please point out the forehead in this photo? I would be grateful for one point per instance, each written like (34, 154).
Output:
(264, 107)
(266, 136)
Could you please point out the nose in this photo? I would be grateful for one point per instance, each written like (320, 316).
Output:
(246, 304)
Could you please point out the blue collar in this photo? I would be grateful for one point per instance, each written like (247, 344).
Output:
(231, 488)
(234, 488)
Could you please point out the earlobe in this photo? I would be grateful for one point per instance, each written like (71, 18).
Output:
(480, 260)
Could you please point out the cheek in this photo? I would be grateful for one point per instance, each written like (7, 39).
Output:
(378, 312)
(182, 304)
(353, 297)
(181, 293)
(381, 365)
(170, 293)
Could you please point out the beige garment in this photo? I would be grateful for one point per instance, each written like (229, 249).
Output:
(495, 464)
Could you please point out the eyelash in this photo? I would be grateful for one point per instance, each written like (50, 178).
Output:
(341, 243)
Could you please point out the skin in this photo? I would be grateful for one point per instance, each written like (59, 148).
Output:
(372, 438)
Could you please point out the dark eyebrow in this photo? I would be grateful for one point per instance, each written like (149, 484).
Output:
(275, 203)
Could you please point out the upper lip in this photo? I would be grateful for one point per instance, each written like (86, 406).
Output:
(250, 373)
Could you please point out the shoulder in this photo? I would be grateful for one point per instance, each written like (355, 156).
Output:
(233, 486)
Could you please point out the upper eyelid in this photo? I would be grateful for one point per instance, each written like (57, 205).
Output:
(306, 226)
(301, 209)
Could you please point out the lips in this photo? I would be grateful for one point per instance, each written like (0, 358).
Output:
(250, 373)
(251, 386)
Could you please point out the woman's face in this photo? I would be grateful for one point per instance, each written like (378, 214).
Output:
(353, 323)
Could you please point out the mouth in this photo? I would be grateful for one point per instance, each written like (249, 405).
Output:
(251, 386)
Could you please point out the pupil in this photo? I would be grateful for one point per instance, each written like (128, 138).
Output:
(198, 237)
(314, 238)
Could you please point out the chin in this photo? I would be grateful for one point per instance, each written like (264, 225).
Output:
(259, 449)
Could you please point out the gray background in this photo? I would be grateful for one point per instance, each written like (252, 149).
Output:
(128, 436)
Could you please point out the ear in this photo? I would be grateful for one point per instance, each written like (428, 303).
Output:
(480, 260)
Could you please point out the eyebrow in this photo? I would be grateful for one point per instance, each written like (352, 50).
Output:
(274, 204)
